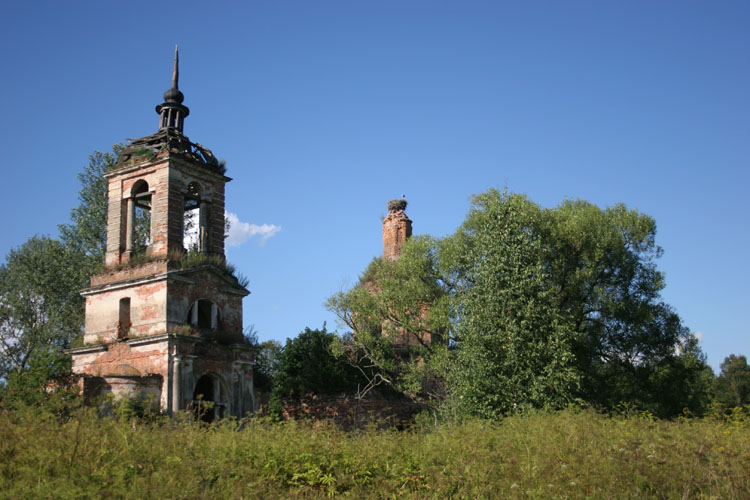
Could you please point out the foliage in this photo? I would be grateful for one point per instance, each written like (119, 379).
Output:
(569, 454)
(399, 319)
(305, 364)
(601, 263)
(40, 307)
(514, 345)
(732, 386)
(185, 260)
(535, 307)
(87, 231)
(266, 364)
(677, 384)
(48, 369)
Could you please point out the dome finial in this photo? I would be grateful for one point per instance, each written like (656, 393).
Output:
(176, 71)
(171, 111)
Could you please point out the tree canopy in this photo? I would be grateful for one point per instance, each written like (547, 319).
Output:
(40, 305)
(733, 383)
(536, 307)
(87, 230)
(306, 364)
(41, 310)
(399, 317)
(514, 345)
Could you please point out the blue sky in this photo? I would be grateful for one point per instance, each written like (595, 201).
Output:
(325, 110)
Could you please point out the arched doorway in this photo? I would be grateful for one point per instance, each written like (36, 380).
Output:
(212, 389)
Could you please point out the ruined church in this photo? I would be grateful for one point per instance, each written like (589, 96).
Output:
(162, 322)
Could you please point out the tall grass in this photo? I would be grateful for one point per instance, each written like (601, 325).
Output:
(571, 454)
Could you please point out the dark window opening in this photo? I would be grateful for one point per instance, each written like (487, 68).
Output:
(123, 323)
(204, 314)
(141, 217)
(209, 398)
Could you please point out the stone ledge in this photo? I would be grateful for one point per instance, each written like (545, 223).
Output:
(87, 349)
(139, 271)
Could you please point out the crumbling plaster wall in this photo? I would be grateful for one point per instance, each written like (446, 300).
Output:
(147, 303)
(120, 361)
(232, 365)
(98, 389)
(161, 304)
(190, 286)
(169, 367)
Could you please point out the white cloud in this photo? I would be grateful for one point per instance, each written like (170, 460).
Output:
(240, 232)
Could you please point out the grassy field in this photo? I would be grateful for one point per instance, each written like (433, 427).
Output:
(570, 454)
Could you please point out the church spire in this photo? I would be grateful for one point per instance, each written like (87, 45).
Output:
(176, 70)
(171, 112)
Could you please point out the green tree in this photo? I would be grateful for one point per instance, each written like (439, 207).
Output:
(676, 384)
(306, 364)
(30, 386)
(266, 364)
(732, 386)
(537, 307)
(40, 305)
(398, 316)
(87, 231)
(514, 345)
(602, 268)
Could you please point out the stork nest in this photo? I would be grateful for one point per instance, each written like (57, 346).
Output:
(395, 205)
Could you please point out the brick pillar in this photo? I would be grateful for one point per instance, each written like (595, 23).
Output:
(396, 229)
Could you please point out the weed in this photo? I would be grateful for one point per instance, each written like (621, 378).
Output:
(570, 454)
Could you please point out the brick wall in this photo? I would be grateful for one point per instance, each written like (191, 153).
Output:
(348, 412)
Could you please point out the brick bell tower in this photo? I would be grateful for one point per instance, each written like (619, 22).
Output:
(396, 229)
(162, 321)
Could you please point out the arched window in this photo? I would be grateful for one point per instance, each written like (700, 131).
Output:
(138, 226)
(204, 314)
(191, 236)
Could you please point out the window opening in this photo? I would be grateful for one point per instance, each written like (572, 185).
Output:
(191, 239)
(123, 322)
(141, 217)
(204, 314)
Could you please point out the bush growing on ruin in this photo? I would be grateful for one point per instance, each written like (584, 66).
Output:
(538, 307)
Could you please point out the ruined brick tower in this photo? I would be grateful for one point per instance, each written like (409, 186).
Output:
(396, 229)
(162, 321)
